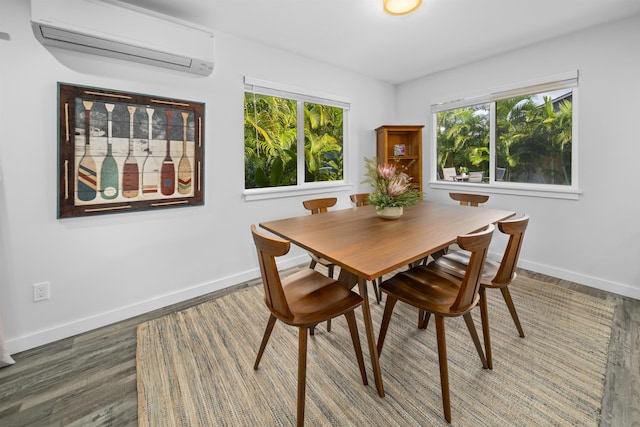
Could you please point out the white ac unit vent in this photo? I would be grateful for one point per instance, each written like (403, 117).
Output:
(119, 30)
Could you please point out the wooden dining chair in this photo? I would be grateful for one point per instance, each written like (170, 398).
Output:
(443, 296)
(317, 206)
(302, 299)
(465, 199)
(468, 199)
(361, 199)
(494, 275)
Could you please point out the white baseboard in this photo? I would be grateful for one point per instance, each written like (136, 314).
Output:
(591, 281)
(78, 326)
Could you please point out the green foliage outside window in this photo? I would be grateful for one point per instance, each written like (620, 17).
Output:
(533, 139)
(323, 142)
(463, 138)
(270, 141)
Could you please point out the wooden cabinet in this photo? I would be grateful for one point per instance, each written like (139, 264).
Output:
(402, 145)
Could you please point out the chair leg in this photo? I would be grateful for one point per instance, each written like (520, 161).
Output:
(444, 370)
(355, 338)
(375, 290)
(265, 339)
(302, 374)
(512, 309)
(486, 333)
(439, 253)
(386, 318)
(474, 336)
(423, 319)
(330, 268)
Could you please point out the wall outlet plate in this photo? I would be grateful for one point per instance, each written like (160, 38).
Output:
(41, 291)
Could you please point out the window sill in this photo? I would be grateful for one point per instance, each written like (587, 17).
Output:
(530, 190)
(281, 192)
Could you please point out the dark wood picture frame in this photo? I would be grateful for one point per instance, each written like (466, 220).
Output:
(131, 152)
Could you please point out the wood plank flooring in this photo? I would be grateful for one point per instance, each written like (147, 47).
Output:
(90, 379)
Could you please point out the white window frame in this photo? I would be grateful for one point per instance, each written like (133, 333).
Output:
(545, 84)
(263, 87)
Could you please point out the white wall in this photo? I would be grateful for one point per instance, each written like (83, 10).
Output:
(107, 268)
(594, 240)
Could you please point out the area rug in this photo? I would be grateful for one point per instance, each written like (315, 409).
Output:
(195, 367)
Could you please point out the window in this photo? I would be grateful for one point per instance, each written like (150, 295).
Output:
(463, 139)
(292, 140)
(522, 137)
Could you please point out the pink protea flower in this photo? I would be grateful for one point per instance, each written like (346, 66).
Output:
(386, 171)
(391, 185)
(398, 185)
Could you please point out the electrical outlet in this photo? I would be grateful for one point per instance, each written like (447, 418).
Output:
(41, 291)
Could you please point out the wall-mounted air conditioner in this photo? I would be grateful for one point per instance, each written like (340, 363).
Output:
(119, 30)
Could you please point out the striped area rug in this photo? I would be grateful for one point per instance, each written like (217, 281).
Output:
(195, 367)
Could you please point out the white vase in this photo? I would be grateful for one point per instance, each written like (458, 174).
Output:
(390, 212)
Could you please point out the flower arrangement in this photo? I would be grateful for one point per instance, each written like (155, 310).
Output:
(391, 188)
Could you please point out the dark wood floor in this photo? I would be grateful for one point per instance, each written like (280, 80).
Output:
(90, 379)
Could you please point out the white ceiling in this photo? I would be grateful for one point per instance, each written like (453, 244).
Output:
(357, 35)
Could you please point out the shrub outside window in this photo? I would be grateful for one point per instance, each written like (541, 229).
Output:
(275, 121)
(522, 136)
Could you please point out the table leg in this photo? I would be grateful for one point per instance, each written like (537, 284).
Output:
(350, 280)
(371, 338)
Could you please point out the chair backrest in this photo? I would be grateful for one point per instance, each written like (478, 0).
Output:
(467, 199)
(360, 199)
(515, 228)
(268, 249)
(475, 176)
(478, 245)
(448, 174)
(317, 206)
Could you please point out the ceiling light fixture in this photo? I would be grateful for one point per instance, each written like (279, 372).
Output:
(401, 7)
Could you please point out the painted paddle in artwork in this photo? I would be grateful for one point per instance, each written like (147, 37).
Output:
(109, 180)
(168, 171)
(87, 175)
(130, 173)
(184, 167)
(150, 172)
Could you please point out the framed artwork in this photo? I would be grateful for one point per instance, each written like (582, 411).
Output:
(399, 150)
(123, 152)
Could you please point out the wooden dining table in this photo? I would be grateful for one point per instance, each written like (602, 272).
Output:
(366, 246)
